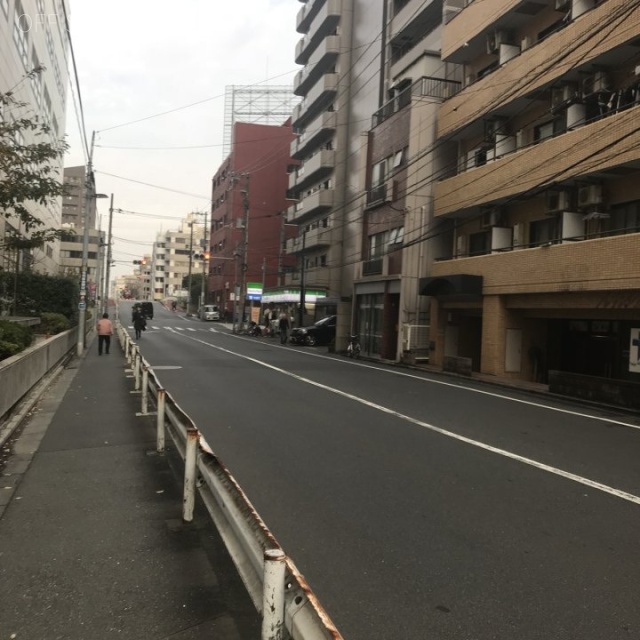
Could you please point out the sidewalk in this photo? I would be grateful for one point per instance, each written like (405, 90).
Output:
(92, 544)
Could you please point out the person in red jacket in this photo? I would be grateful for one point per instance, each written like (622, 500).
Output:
(105, 331)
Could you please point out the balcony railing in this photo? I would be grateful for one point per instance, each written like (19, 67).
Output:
(423, 87)
(372, 267)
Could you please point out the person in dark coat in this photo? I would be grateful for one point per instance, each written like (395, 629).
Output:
(283, 327)
(139, 324)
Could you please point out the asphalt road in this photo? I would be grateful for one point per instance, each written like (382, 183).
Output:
(419, 507)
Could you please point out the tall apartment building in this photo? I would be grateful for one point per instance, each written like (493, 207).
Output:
(341, 85)
(173, 252)
(33, 34)
(247, 223)
(540, 206)
(401, 164)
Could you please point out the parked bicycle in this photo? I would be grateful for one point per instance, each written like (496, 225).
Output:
(353, 348)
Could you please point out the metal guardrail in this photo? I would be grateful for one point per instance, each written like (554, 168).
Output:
(279, 591)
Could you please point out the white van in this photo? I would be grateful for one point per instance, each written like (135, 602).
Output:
(210, 312)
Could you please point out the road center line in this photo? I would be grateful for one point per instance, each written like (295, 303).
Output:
(617, 493)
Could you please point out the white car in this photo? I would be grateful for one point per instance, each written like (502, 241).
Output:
(210, 312)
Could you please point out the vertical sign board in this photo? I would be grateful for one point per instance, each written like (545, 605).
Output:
(634, 351)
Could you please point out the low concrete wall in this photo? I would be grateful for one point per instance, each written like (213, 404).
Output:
(620, 393)
(20, 373)
(457, 364)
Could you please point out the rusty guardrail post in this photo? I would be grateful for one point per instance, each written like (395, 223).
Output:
(188, 497)
(136, 369)
(161, 399)
(273, 595)
(145, 390)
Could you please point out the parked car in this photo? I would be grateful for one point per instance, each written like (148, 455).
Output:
(322, 332)
(210, 312)
(147, 310)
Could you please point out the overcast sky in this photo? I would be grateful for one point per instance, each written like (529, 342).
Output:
(138, 59)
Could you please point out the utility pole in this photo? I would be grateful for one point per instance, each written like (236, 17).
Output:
(88, 196)
(205, 258)
(245, 207)
(108, 267)
(190, 267)
(301, 310)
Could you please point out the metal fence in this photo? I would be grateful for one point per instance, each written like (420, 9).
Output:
(279, 592)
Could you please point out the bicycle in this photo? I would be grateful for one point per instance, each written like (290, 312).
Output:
(353, 348)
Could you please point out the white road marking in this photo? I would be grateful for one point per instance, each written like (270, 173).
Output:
(180, 328)
(155, 327)
(190, 329)
(617, 493)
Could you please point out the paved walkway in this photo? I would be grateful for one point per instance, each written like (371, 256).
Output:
(92, 545)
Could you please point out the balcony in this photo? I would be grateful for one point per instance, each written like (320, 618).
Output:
(317, 132)
(426, 86)
(318, 99)
(323, 60)
(313, 170)
(312, 205)
(594, 148)
(325, 23)
(602, 264)
(307, 13)
(315, 239)
(575, 45)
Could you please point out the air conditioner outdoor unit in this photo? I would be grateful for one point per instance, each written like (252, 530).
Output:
(493, 127)
(520, 234)
(558, 201)
(461, 246)
(521, 138)
(495, 39)
(589, 195)
(594, 83)
(526, 42)
(491, 218)
(562, 5)
(562, 96)
(470, 78)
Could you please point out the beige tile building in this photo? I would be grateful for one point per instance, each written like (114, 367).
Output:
(33, 34)
(539, 207)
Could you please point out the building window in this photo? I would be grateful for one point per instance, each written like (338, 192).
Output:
(36, 78)
(21, 33)
(479, 243)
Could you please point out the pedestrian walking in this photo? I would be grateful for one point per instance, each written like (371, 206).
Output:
(105, 331)
(283, 327)
(139, 324)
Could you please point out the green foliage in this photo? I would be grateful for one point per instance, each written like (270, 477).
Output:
(13, 338)
(196, 286)
(39, 293)
(53, 323)
(29, 171)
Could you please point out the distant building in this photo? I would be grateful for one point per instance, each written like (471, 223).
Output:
(174, 252)
(73, 205)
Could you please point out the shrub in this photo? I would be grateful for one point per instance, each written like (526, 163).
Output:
(52, 323)
(13, 338)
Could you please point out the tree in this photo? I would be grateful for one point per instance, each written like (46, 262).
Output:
(196, 286)
(28, 170)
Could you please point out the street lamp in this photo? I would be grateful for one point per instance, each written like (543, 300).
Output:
(82, 304)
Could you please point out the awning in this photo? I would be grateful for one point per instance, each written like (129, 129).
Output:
(454, 285)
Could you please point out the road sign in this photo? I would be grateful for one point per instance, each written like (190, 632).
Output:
(82, 306)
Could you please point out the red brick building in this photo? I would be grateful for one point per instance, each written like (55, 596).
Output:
(248, 200)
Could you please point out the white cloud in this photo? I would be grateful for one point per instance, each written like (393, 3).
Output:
(139, 59)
